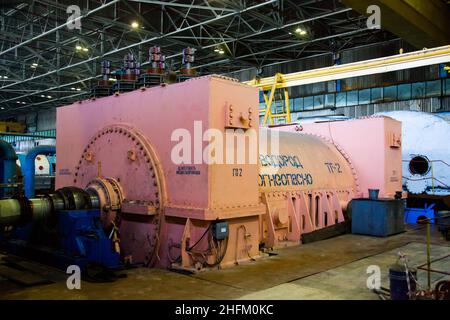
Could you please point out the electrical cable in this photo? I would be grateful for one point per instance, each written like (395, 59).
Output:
(200, 239)
(220, 253)
(220, 249)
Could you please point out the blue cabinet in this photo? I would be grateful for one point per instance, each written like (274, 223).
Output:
(381, 217)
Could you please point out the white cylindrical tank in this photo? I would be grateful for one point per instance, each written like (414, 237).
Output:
(425, 151)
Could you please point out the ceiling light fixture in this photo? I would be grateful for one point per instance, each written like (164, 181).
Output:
(134, 25)
(300, 31)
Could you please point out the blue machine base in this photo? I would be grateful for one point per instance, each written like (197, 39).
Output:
(413, 214)
(81, 238)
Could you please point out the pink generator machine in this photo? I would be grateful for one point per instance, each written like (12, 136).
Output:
(186, 179)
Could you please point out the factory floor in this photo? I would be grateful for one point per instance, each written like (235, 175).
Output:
(330, 269)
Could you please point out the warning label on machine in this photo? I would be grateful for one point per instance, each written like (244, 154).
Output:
(65, 172)
(188, 170)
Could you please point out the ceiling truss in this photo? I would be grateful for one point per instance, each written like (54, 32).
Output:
(252, 33)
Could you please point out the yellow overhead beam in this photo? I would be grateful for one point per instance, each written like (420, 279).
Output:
(381, 65)
(422, 23)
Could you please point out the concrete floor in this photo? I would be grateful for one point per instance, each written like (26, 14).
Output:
(329, 269)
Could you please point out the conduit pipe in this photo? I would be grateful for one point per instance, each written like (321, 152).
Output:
(29, 167)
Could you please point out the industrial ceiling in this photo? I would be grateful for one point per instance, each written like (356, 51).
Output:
(44, 64)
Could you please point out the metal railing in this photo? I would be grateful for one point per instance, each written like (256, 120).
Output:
(12, 137)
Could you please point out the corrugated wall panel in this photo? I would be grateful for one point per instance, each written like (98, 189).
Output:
(46, 120)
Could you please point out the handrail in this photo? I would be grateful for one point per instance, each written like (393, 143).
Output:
(426, 178)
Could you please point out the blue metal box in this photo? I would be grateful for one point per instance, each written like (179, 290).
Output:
(381, 217)
(220, 230)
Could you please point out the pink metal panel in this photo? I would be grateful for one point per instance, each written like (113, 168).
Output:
(157, 112)
(373, 147)
(167, 207)
(116, 136)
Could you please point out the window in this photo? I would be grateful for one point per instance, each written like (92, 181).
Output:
(341, 99)
(376, 95)
(418, 90)
(352, 98)
(308, 103)
(404, 91)
(433, 88)
(291, 104)
(390, 93)
(364, 96)
(298, 104)
(329, 100)
(318, 102)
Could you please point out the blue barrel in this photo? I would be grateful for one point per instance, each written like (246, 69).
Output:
(373, 194)
(398, 282)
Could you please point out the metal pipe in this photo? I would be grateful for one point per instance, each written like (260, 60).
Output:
(184, 5)
(29, 167)
(13, 211)
(41, 208)
(10, 211)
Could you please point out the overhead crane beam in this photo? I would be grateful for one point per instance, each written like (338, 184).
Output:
(421, 23)
(356, 69)
(369, 67)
